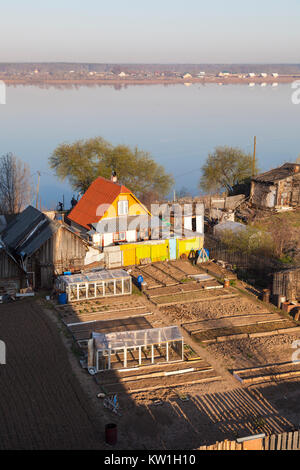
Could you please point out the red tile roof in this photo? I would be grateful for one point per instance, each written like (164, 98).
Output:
(101, 192)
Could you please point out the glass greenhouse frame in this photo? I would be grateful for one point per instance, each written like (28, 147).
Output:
(125, 349)
(95, 284)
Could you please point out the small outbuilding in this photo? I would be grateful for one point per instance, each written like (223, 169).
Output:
(278, 188)
(94, 285)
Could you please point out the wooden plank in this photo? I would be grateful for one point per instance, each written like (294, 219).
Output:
(160, 387)
(283, 441)
(267, 443)
(289, 441)
(277, 376)
(295, 440)
(272, 442)
(266, 366)
(279, 440)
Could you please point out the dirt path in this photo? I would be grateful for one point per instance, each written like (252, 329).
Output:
(42, 404)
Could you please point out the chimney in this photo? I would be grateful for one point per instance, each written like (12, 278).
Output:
(113, 177)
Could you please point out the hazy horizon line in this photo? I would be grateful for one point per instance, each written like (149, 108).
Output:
(148, 63)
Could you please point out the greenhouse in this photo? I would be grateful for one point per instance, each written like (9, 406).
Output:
(125, 349)
(95, 284)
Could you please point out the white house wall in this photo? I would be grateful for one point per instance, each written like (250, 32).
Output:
(131, 236)
(200, 224)
(108, 239)
(188, 222)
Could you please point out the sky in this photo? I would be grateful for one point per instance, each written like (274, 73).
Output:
(160, 31)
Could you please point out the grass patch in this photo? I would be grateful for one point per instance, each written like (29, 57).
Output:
(136, 290)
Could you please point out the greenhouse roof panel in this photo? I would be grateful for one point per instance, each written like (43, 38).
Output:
(131, 339)
(96, 276)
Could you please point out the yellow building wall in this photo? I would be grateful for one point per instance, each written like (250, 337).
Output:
(160, 252)
(135, 207)
(134, 252)
(128, 254)
(142, 251)
(185, 246)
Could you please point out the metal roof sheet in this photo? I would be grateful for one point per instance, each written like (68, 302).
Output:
(20, 226)
(28, 231)
(280, 173)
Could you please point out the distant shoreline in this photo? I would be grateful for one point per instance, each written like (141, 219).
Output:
(161, 81)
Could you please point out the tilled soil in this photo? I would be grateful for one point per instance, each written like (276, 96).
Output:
(252, 352)
(42, 404)
(212, 309)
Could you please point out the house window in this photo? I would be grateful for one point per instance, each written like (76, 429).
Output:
(122, 207)
(120, 237)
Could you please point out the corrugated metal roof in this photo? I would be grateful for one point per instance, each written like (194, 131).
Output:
(100, 192)
(20, 226)
(280, 173)
(28, 231)
(38, 238)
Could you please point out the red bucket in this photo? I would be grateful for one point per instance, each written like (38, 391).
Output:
(111, 434)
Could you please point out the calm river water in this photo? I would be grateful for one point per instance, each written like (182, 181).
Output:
(177, 124)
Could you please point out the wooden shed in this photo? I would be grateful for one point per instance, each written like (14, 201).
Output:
(44, 247)
(287, 283)
(277, 188)
(11, 274)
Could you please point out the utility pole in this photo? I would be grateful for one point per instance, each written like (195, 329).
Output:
(37, 190)
(254, 155)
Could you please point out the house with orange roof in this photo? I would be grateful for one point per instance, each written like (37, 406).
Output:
(110, 213)
(113, 219)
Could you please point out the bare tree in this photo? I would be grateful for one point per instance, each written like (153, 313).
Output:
(15, 184)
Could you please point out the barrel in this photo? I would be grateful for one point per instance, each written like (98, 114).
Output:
(266, 295)
(111, 434)
(140, 281)
(62, 298)
(226, 282)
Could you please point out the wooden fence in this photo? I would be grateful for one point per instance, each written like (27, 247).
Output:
(284, 441)
(219, 250)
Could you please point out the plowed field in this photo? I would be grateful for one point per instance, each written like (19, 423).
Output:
(42, 405)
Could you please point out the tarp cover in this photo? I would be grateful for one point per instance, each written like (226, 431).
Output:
(131, 339)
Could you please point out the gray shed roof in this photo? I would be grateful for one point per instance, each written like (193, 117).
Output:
(28, 231)
(280, 173)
